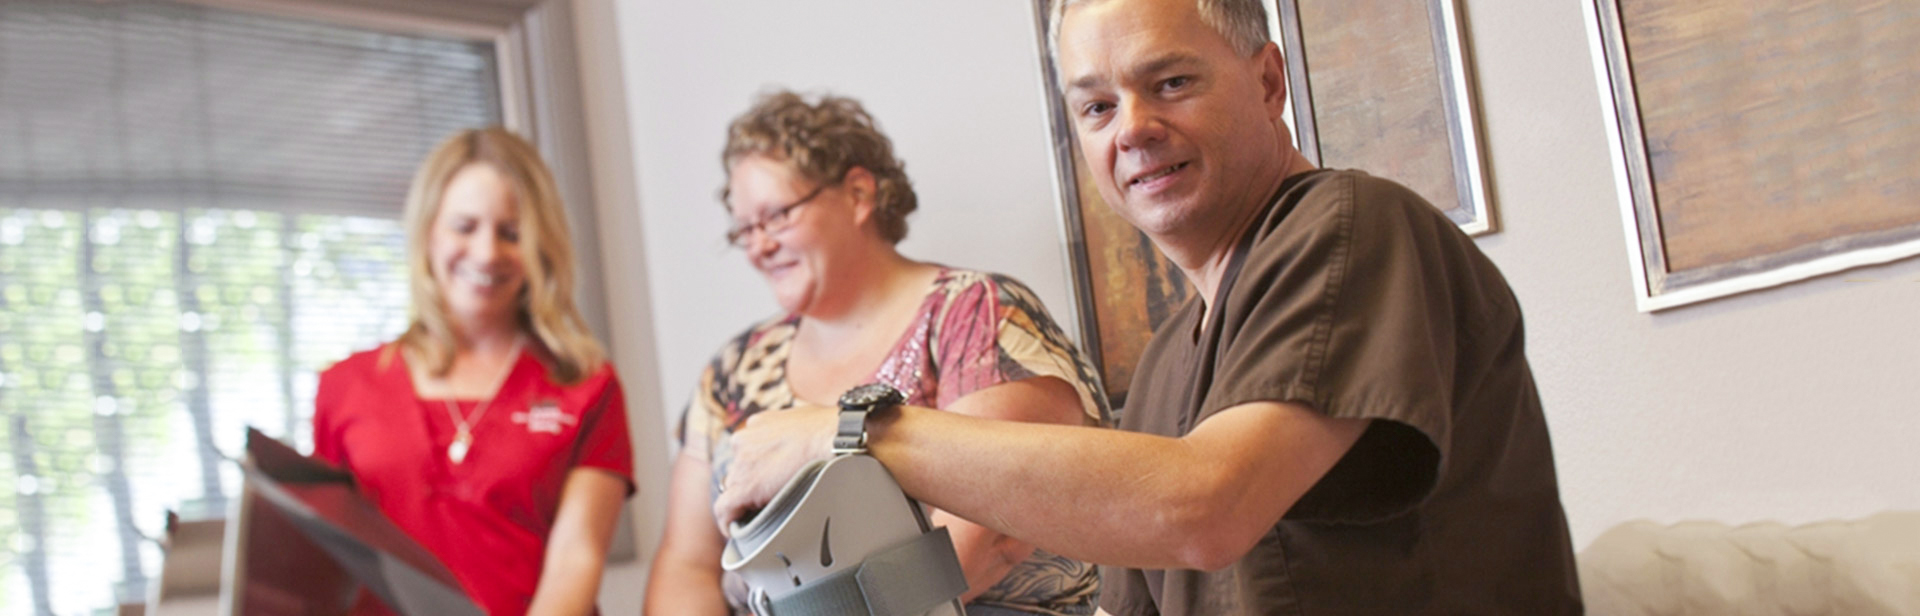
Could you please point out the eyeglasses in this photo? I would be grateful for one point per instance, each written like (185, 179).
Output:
(771, 222)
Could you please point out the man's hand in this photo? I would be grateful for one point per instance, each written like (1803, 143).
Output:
(767, 451)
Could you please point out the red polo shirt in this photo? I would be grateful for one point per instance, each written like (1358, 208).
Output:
(488, 517)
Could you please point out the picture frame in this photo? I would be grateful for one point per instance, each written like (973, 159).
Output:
(1124, 288)
(1387, 87)
(1742, 164)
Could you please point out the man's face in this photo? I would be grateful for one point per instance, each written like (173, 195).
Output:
(1179, 129)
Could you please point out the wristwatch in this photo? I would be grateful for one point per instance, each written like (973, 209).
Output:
(855, 406)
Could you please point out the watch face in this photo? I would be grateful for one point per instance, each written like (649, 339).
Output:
(871, 395)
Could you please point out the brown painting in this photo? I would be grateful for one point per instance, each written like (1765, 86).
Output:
(1134, 288)
(1769, 133)
(1378, 103)
(1383, 86)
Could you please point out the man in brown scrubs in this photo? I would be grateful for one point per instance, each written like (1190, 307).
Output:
(1343, 423)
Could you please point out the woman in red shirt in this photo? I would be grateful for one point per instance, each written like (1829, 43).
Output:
(493, 430)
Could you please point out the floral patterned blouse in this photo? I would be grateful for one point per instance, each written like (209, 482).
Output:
(975, 330)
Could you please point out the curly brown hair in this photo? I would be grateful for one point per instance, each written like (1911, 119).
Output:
(822, 142)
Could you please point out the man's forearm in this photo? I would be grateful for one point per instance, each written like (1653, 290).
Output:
(1115, 497)
(1105, 496)
(1093, 494)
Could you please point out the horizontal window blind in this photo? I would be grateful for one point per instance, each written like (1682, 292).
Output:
(199, 210)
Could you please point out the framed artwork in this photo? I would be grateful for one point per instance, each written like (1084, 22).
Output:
(1384, 86)
(1755, 145)
(1378, 85)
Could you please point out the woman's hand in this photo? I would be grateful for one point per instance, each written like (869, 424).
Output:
(767, 452)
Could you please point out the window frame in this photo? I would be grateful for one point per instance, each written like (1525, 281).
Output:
(540, 85)
(539, 82)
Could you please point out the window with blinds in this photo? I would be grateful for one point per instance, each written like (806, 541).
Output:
(199, 210)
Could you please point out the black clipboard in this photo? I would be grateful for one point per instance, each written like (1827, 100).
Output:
(307, 541)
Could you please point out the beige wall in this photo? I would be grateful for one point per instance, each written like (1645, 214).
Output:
(1795, 403)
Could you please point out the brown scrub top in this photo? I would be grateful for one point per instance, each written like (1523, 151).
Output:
(1353, 296)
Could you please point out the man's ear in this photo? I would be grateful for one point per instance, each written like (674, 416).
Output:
(1273, 79)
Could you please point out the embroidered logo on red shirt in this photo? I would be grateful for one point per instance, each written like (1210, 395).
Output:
(545, 416)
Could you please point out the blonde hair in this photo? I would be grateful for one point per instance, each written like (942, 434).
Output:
(822, 142)
(546, 308)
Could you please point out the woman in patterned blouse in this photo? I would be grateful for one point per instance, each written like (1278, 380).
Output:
(818, 203)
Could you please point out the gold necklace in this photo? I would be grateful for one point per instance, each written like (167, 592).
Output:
(463, 427)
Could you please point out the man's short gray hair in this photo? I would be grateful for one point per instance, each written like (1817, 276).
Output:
(1242, 22)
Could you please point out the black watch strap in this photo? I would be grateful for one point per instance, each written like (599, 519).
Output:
(855, 406)
(852, 434)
